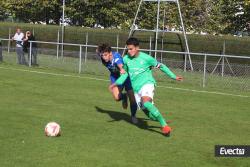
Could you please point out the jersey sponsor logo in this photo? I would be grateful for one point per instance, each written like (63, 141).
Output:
(136, 71)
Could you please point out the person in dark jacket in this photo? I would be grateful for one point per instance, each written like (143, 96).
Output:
(26, 47)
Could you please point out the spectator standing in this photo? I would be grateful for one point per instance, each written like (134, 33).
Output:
(26, 47)
(18, 37)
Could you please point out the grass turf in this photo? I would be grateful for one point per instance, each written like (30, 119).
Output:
(97, 132)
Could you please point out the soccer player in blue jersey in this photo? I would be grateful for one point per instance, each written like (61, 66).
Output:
(114, 63)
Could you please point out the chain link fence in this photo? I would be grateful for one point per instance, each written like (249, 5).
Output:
(209, 70)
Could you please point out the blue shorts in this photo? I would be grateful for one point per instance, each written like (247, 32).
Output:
(126, 84)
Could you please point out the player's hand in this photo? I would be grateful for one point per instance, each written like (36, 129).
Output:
(122, 71)
(111, 87)
(179, 78)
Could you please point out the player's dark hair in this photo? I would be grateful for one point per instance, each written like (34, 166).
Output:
(104, 48)
(132, 41)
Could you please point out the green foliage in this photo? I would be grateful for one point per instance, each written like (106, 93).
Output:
(221, 16)
(236, 15)
(3, 11)
(34, 10)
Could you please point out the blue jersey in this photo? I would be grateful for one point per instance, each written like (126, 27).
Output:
(113, 64)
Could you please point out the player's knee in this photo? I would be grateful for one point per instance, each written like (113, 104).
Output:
(117, 97)
(147, 105)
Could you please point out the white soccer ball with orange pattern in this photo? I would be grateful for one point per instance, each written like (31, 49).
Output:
(52, 129)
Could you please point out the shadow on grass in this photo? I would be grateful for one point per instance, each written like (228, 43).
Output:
(118, 116)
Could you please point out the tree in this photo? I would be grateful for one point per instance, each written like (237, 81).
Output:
(107, 13)
(233, 11)
(247, 14)
(221, 16)
(3, 11)
(34, 10)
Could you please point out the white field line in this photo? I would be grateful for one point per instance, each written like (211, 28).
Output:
(99, 79)
(203, 91)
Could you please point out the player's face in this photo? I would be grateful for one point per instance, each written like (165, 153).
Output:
(133, 50)
(106, 56)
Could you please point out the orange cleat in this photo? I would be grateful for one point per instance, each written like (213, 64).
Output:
(166, 130)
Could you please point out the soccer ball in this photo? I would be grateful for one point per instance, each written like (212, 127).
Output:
(52, 129)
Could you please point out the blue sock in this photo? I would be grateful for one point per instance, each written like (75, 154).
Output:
(122, 96)
(133, 108)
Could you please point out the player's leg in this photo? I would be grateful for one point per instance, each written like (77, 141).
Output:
(124, 97)
(132, 102)
(117, 93)
(147, 93)
(133, 106)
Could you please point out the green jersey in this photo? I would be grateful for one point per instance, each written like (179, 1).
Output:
(139, 70)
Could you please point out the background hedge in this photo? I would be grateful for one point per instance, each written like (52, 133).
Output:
(172, 41)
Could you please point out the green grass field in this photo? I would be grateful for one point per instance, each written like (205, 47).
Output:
(96, 131)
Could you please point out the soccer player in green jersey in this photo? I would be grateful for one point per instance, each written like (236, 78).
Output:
(138, 67)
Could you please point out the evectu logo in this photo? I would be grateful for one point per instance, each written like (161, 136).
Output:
(232, 151)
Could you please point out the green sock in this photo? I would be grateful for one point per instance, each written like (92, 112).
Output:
(154, 113)
(162, 120)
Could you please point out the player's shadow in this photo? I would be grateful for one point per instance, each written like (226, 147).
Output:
(118, 116)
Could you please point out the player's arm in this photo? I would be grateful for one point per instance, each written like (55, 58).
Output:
(14, 37)
(120, 66)
(119, 63)
(168, 72)
(164, 69)
(121, 79)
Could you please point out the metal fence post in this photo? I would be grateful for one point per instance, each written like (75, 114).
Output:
(150, 45)
(80, 60)
(185, 63)
(9, 40)
(223, 66)
(204, 72)
(117, 42)
(62, 46)
(223, 59)
(57, 46)
(86, 48)
(162, 43)
(30, 51)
